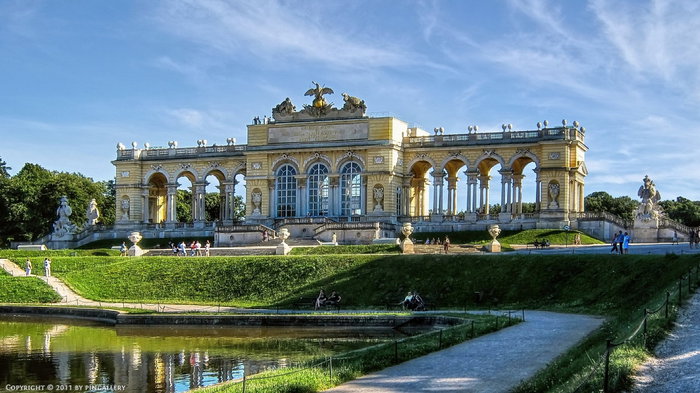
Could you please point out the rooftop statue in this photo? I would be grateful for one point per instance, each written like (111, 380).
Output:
(319, 108)
(353, 103)
(318, 93)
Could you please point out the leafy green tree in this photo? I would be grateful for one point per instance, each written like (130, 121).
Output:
(108, 202)
(601, 201)
(30, 198)
(184, 206)
(682, 210)
(212, 206)
(4, 169)
(238, 207)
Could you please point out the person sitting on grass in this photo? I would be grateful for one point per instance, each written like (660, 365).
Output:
(320, 300)
(413, 302)
(333, 299)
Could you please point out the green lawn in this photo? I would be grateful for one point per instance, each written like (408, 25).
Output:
(25, 290)
(508, 238)
(619, 287)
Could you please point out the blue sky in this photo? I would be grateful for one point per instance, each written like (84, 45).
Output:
(79, 76)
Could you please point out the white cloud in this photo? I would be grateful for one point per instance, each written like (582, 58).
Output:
(274, 31)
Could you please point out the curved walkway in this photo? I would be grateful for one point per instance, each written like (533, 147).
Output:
(676, 367)
(496, 362)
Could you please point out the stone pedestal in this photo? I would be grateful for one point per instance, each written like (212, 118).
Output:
(646, 230)
(493, 246)
(407, 246)
(283, 249)
(135, 251)
(406, 243)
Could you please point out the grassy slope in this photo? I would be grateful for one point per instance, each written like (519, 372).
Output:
(507, 238)
(25, 290)
(617, 286)
(587, 283)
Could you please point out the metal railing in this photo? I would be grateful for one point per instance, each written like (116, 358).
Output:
(390, 352)
(642, 327)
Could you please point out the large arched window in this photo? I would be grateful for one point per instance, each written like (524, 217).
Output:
(350, 189)
(318, 190)
(286, 189)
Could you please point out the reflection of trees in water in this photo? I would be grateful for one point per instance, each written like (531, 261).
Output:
(41, 353)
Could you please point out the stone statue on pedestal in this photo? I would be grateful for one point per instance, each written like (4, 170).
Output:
(63, 227)
(93, 213)
(648, 208)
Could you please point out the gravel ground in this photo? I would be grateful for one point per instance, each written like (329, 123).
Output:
(676, 367)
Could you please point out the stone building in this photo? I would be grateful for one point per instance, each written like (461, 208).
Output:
(322, 170)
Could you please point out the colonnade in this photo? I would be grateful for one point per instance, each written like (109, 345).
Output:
(478, 195)
(152, 207)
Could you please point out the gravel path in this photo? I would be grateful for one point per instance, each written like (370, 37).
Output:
(676, 367)
(495, 362)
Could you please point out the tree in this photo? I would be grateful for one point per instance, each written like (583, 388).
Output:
(212, 206)
(601, 201)
(184, 206)
(682, 210)
(30, 198)
(4, 169)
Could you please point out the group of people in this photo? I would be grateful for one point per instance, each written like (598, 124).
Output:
(195, 248)
(323, 300)
(693, 238)
(445, 243)
(413, 302)
(541, 244)
(47, 267)
(620, 243)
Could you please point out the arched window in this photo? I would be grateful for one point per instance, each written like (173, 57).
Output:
(318, 190)
(286, 189)
(350, 189)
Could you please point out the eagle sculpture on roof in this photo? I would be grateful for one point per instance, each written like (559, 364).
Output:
(318, 93)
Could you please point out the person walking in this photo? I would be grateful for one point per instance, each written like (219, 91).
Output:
(614, 242)
(207, 247)
(28, 267)
(625, 243)
(674, 240)
(446, 244)
(47, 267)
(122, 250)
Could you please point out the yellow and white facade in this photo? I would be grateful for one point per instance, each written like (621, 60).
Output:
(361, 169)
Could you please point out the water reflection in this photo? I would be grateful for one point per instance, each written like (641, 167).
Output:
(157, 359)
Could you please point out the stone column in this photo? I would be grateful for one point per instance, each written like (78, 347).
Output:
(171, 204)
(435, 176)
(334, 195)
(198, 197)
(146, 201)
(271, 200)
(538, 190)
(518, 193)
(484, 193)
(452, 195)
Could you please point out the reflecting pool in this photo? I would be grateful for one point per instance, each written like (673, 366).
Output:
(68, 353)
